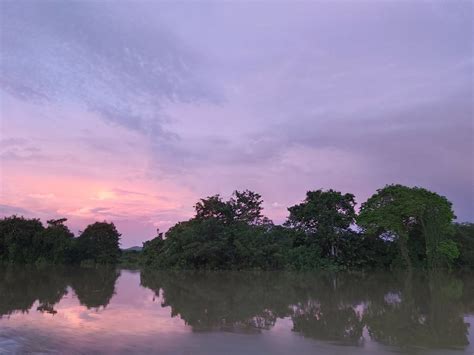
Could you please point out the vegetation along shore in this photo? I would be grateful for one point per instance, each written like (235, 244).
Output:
(397, 227)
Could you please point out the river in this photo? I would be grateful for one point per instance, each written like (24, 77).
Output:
(70, 310)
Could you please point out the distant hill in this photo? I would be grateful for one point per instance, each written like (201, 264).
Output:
(135, 248)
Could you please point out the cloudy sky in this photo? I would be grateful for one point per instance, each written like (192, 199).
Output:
(130, 111)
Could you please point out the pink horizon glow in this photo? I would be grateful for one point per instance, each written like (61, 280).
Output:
(130, 114)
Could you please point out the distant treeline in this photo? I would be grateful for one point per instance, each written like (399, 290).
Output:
(398, 226)
(27, 241)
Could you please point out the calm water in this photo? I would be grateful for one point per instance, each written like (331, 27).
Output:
(73, 310)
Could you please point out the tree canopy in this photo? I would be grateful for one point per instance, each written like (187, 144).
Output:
(325, 215)
(399, 226)
(222, 235)
(27, 241)
(99, 242)
(398, 210)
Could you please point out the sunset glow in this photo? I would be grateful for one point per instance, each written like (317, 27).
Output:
(131, 114)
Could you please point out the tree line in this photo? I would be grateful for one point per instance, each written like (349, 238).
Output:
(398, 226)
(27, 241)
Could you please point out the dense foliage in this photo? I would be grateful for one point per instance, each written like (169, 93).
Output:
(99, 243)
(464, 239)
(404, 213)
(19, 239)
(398, 226)
(27, 241)
(326, 215)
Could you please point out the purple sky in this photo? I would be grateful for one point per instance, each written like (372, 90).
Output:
(131, 111)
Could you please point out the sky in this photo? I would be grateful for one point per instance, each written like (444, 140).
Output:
(131, 111)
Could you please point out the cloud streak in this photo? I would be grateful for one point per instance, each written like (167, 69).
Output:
(81, 53)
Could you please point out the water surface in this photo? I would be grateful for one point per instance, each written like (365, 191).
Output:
(106, 310)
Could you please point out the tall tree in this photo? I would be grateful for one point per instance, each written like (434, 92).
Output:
(247, 207)
(397, 210)
(243, 206)
(17, 239)
(222, 235)
(325, 214)
(152, 247)
(213, 207)
(55, 243)
(99, 242)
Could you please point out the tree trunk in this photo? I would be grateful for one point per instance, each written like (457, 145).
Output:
(403, 245)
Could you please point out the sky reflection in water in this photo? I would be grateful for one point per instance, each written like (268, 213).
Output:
(109, 311)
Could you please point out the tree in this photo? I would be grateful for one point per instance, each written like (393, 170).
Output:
(397, 210)
(17, 239)
(55, 243)
(246, 206)
(231, 234)
(464, 238)
(243, 206)
(213, 207)
(325, 214)
(151, 248)
(99, 242)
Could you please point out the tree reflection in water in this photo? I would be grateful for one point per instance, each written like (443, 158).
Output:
(427, 313)
(94, 287)
(21, 287)
(231, 301)
(409, 310)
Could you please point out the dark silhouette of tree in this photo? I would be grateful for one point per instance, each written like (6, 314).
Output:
(246, 206)
(464, 238)
(55, 242)
(223, 235)
(243, 206)
(213, 207)
(151, 248)
(18, 239)
(324, 214)
(99, 242)
(400, 225)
